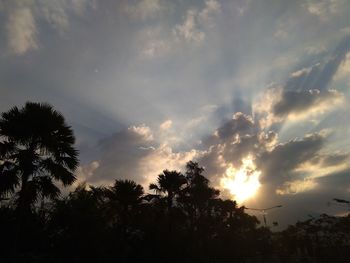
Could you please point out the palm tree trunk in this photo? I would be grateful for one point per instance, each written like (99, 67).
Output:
(21, 193)
(170, 200)
(21, 210)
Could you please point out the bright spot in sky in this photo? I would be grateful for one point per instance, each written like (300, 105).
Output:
(242, 183)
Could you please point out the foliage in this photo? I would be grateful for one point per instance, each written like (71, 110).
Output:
(36, 149)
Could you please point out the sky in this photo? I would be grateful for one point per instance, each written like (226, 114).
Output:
(257, 92)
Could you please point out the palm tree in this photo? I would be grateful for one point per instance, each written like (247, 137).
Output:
(169, 182)
(36, 149)
(126, 193)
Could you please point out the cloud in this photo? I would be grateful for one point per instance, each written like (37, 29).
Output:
(239, 145)
(211, 7)
(293, 167)
(240, 124)
(297, 186)
(344, 68)
(155, 48)
(166, 125)
(288, 167)
(324, 9)
(157, 42)
(301, 72)
(191, 28)
(161, 158)
(57, 13)
(143, 9)
(331, 66)
(279, 164)
(294, 104)
(23, 17)
(325, 165)
(133, 153)
(307, 91)
(232, 143)
(154, 44)
(21, 31)
(188, 30)
(84, 173)
(277, 105)
(143, 132)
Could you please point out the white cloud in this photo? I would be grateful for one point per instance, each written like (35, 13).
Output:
(324, 9)
(155, 48)
(344, 68)
(315, 49)
(297, 186)
(22, 25)
(191, 30)
(211, 7)
(21, 31)
(324, 165)
(144, 9)
(80, 6)
(143, 131)
(157, 41)
(301, 72)
(162, 158)
(166, 125)
(84, 173)
(56, 13)
(154, 44)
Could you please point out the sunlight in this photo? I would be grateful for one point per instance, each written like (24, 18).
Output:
(242, 183)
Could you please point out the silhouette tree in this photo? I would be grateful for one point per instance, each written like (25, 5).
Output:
(170, 183)
(197, 195)
(78, 224)
(36, 149)
(125, 193)
(228, 208)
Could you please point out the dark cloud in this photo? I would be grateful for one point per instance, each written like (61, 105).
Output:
(313, 202)
(304, 79)
(134, 154)
(121, 154)
(336, 184)
(278, 164)
(240, 124)
(306, 91)
(332, 65)
(234, 141)
(331, 159)
(297, 102)
(320, 75)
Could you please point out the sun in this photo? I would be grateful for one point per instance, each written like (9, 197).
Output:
(243, 183)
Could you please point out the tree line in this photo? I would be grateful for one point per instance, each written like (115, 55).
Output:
(182, 219)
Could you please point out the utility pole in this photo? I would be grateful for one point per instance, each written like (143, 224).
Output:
(263, 211)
